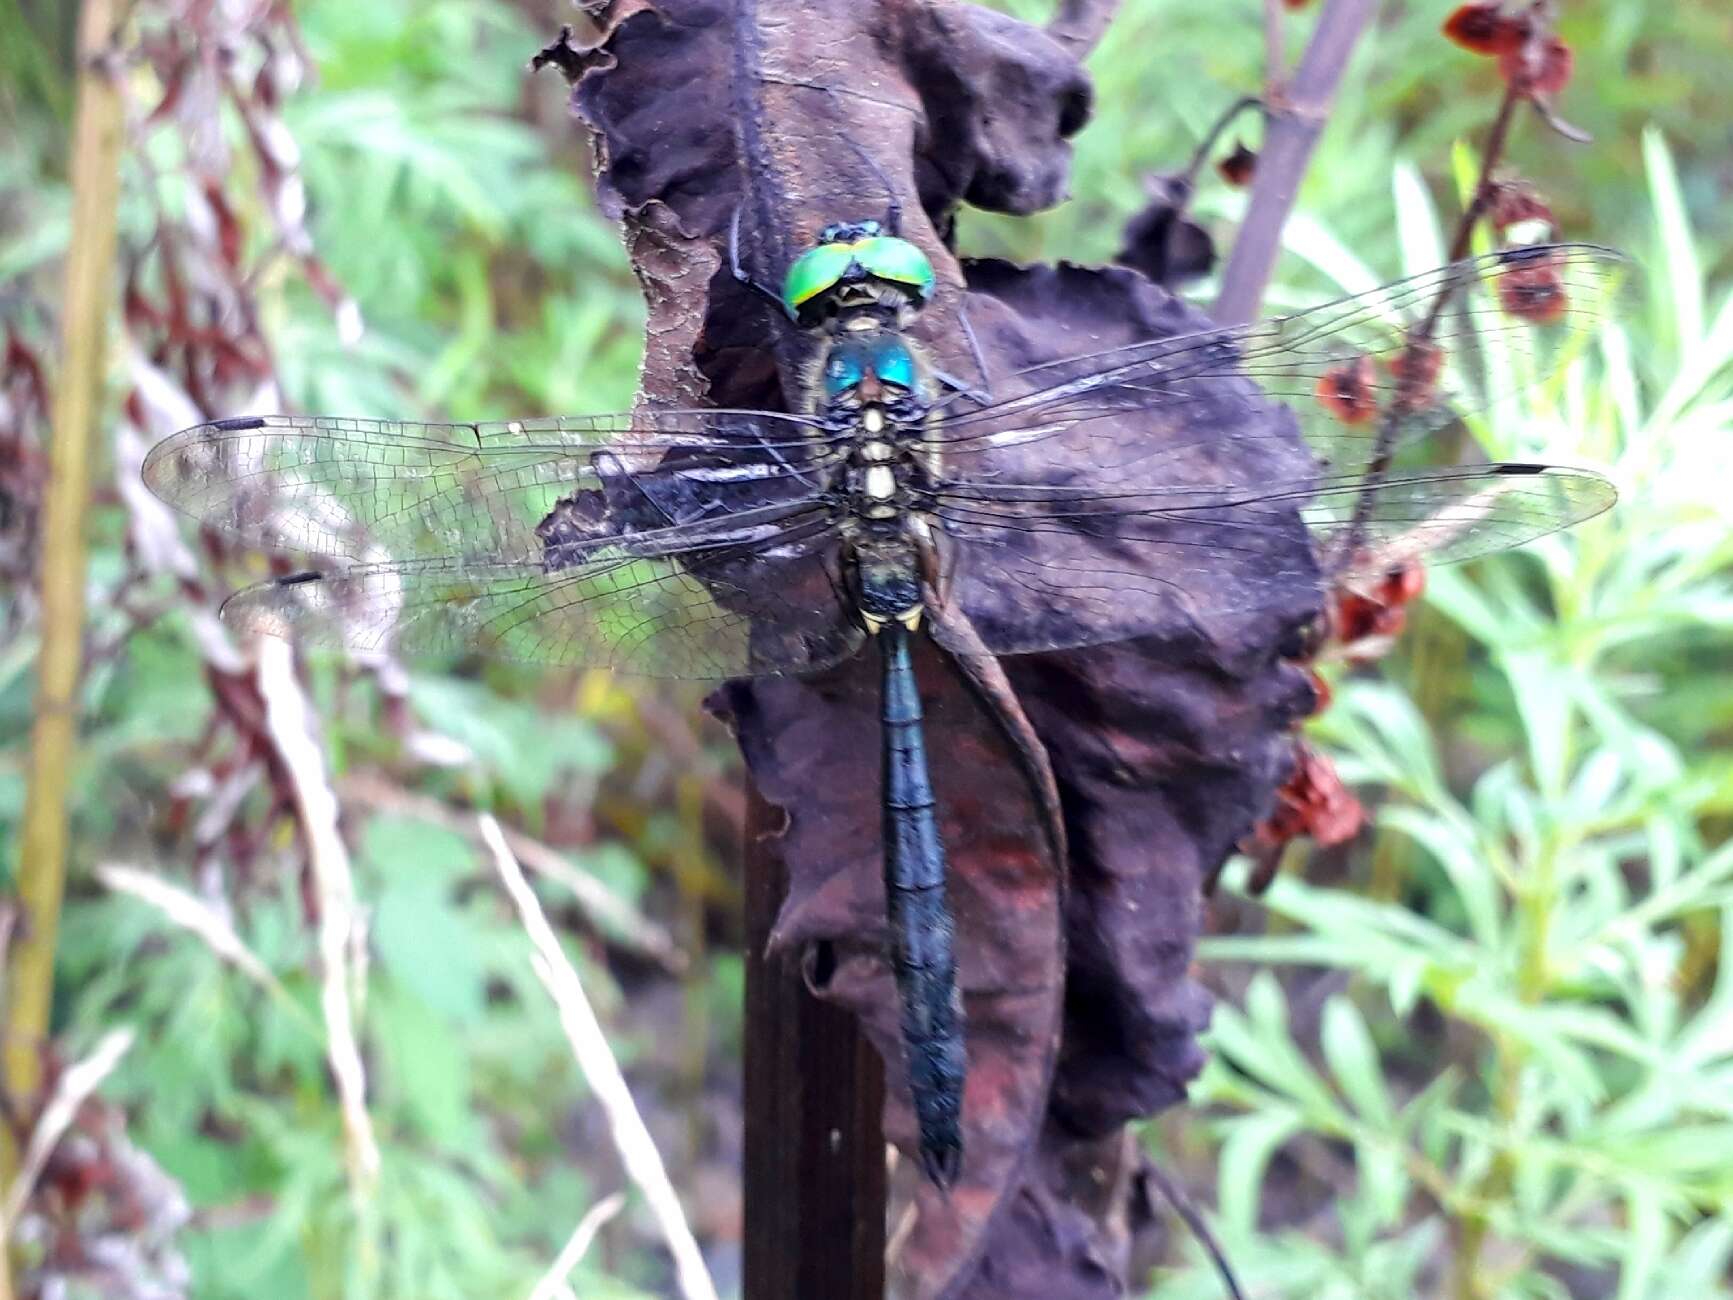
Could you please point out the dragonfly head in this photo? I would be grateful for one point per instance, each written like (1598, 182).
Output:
(855, 267)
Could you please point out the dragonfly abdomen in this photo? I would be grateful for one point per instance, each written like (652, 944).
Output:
(922, 950)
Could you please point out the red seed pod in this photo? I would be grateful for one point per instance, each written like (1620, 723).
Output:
(1349, 391)
(1514, 202)
(1313, 801)
(1541, 66)
(1367, 617)
(1404, 586)
(1416, 369)
(1484, 30)
(1532, 289)
(1333, 815)
(1295, 4)
(1237, 168)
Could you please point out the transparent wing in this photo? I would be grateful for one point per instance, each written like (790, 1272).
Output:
(380, 490)
(755, 594)
(1055, 565)
(1350, 370)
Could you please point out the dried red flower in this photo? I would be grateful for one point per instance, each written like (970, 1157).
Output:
(1483, 29)
(1313, 802)
(1365, 619)
(1238, 167)
(1295, 4)
(1349, 391)
(1531, 288)
(1541, 66)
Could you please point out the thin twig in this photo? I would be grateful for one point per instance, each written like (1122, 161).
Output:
(1496, 140)
(289, 722)
(1188, 1212)
(1206, 146)
(553, 1285)
(74, 1088)
(1420, 336)
(596, 1059)
(1292, 130)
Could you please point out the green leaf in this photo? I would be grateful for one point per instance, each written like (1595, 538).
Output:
(1245, 1155)
(1683, 274)
(1417, 231)
(404, 850)
(424, 1067)
(1354, 1062)
(427, 946)
(1645, 1245)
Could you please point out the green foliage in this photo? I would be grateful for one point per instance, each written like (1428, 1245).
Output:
(487, 279)
(231, 1096)
(1531, 1037)
(1167, 68)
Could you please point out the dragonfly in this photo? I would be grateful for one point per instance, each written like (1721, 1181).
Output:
(900, 502)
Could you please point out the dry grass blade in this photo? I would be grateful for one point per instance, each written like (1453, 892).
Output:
(197, 916)
(590, 1046)
(289, 722)
(74, 1087)
(553, 1286)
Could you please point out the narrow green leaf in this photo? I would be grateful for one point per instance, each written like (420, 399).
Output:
(1354, 1062)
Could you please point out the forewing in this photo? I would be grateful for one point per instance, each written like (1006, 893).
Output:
(755, 595)
(380, 491)
(1350, 370)
(1241, 472)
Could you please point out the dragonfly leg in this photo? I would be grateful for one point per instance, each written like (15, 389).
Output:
(975, 348)
(984, 393)
(893, 222)
(741, 274)
(938, 557)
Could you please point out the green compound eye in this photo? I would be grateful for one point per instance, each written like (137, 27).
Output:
(821, 269)
(898, 261)
(814, 272)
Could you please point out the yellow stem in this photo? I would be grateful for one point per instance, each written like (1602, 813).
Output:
(78, 394)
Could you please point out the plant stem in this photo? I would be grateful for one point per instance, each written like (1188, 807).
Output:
(78, 394)
(1293, 127)
(1535, 906)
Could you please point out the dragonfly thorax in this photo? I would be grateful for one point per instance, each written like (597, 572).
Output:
(870, 387)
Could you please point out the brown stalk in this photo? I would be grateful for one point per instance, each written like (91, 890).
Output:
(1080, 24)
(1297, 112)
(78, 395)
(1420, 336)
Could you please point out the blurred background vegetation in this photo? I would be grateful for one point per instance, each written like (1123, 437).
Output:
(1485, 1050)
